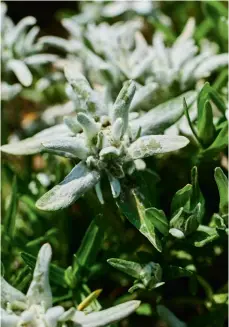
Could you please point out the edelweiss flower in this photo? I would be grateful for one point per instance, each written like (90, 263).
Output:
(35, 308)
(106, 145)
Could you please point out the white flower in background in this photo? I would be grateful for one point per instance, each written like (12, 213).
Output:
(35, 308)
(20, 51)
(181, 62)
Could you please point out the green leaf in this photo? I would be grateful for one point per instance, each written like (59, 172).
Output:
(90, 245)
(158, 219)
(196, 194)
(222, 183)
(56, 273)
(10, 217)
(130, 268)
(134, 211)
(169, 318)
(174, 272)
(209, 93)
(220, 143)
(181, 198)
(206, 128)
(203, 236)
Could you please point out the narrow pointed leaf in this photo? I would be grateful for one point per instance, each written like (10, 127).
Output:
(206, 129)
(158, 219)
(10, 217)
(130, 268)
(222, 183)
(169, 318)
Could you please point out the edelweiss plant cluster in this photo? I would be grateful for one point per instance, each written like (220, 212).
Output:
(35, 308)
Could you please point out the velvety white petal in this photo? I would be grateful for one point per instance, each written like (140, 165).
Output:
(39, 291)
(75, 184)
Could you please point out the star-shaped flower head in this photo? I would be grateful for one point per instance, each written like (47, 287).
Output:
(35, 308)
(104, 144)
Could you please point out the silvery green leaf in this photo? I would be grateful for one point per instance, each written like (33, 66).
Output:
(169, 318)
(33, 144)
(21, 71)
(139, 69)
(74, 146)
(30, 38)
(143, 97)
(10, 294)
(72, 27)
(122, 103)
(73, 124)
(39, 291)
(82, 89)
(59, 130)
(115, 186)
(189, 68)
(51, 114)
(75, 184)
(187, 32)
(114, 9)
(9, 319)
(52, 316)
(117, 129)
(8, 91)
(60, 43)
(105, 317)
(211, 64)
(160, 49)
(146, 146)
(179, 57)
(90, 127)
(19, 29)
(163, 116)
(40, 59)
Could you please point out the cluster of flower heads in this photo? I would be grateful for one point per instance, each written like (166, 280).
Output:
(20, 53)
(104, 144)
(35, 308)
(113, 53)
